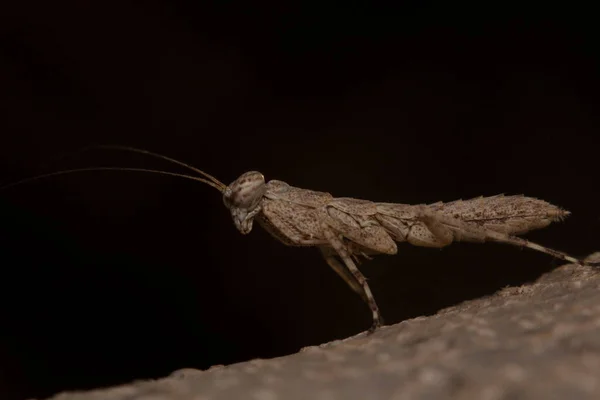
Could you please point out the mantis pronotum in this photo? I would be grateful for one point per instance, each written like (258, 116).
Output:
(345, 229)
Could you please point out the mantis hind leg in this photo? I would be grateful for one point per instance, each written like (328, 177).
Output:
(465, 231)
(430, 232)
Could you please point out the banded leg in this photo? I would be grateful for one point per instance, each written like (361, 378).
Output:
(330, 257)
(339, 247)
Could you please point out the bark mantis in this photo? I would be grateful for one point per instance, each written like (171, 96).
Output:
(346, 229)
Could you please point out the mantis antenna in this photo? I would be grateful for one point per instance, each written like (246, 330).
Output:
(220, 185)
(214, 182)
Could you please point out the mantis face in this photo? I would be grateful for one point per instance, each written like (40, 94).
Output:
(243, 199)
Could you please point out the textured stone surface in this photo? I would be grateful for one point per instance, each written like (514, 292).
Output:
(539, 341)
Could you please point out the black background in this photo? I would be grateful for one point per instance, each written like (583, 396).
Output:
(109, 277)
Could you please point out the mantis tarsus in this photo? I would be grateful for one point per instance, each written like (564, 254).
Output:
(345, 229)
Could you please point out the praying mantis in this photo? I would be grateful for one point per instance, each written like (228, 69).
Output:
(346, 229)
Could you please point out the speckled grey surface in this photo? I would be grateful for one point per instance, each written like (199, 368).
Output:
(540, 341)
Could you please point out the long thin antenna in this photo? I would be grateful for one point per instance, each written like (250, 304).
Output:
(221, 186)
(69, 171)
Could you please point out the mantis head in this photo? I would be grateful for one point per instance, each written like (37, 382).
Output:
(243, 199)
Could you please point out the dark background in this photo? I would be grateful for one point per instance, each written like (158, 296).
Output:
(107, 277)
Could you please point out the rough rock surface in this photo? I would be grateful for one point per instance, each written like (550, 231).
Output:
(539, 341)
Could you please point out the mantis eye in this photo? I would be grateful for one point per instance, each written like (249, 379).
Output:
(246, 191)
